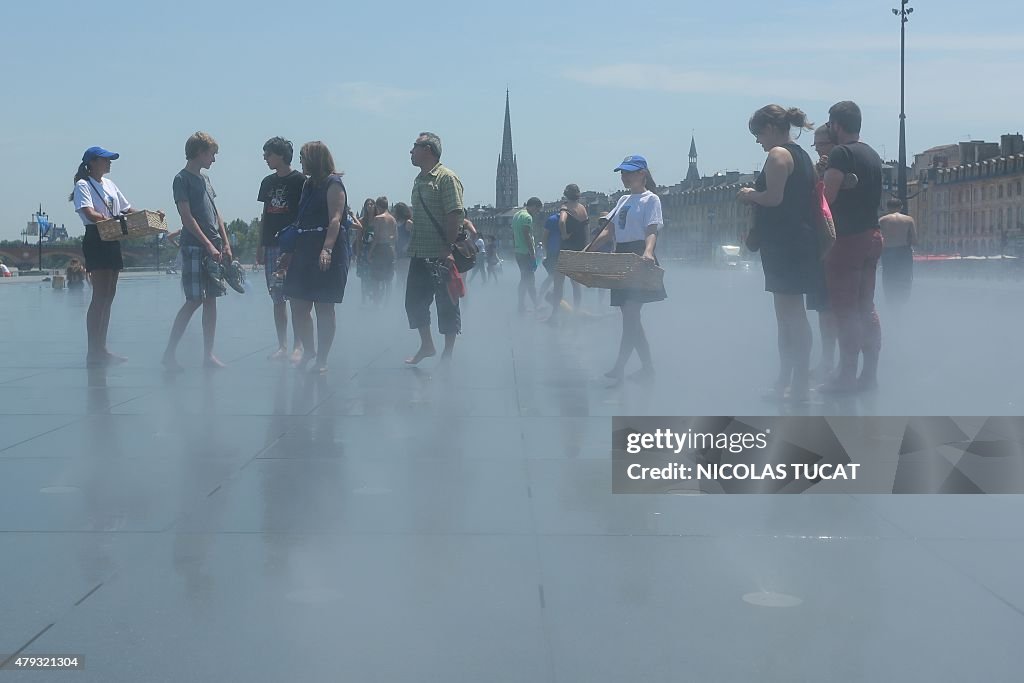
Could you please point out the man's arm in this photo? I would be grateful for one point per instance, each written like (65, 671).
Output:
(452, 223)
(259, 236)
(912, 233)
(833, 181)
(526, 230)
(455, 213)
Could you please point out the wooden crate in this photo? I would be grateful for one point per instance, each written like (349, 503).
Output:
(138, 224)
(610, 271)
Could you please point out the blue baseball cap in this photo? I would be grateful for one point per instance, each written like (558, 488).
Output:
(98, 153)
(632, 163)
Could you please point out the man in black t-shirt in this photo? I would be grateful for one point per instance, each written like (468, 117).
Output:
(852, 262)
(280, 193)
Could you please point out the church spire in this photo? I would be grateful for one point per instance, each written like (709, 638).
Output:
(506, 138)
(692, 174)
(507, 181)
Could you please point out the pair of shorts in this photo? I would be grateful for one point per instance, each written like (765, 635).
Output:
(527, 264)
(100, 255)
(275, 286)
(791, 267)
(195, 280)
(427, 284)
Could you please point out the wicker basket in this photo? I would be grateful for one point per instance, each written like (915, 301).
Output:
(138, 224)
(610, 271)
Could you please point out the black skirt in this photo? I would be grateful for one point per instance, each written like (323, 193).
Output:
(791, 266)
(100, 255)
(642, 296)
(305, 281)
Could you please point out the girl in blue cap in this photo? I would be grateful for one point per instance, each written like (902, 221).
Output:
(634, 223)
(96, 199)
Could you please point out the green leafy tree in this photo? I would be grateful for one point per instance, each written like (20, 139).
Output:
(244, 238)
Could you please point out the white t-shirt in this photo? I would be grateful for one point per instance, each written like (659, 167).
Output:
(633, 214)
(479, 243)
(103, 197)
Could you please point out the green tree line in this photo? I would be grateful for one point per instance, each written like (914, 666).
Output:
(244, 237)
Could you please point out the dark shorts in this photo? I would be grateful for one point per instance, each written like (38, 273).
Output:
(382, 264)
(100, 255)
(527, 264)
(425, 286)
(642, 296)
(791, 267)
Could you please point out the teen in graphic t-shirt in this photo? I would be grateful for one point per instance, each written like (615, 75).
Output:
(280, 192)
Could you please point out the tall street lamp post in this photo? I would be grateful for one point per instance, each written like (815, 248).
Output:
(901, 178)
(41, 220)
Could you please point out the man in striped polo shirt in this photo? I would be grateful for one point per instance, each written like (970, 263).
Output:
(438, 213)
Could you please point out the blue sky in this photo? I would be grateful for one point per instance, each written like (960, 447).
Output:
(590, 83)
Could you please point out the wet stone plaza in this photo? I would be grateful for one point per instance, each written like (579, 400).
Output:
(396, 524)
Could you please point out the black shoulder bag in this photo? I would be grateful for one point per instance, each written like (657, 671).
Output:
(463, 250)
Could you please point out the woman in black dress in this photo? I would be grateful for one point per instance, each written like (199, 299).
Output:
(784, 199)
(317, 275)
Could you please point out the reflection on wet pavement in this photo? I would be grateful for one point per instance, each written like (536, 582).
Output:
(396, 524)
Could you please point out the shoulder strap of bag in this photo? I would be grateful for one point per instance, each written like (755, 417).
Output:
(304, 199)
(103, 197)
(121, 218)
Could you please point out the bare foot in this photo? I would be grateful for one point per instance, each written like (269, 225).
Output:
(318, 369)
(213, 362)
(171, 363)
(96, 360)
(114, 358)
(643, 375)
(421, 354)
(297, 354)
(279, 354)
(837, 386)
(614, 373)
(301, 362)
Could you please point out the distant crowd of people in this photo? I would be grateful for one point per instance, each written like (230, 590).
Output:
(816, 227)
